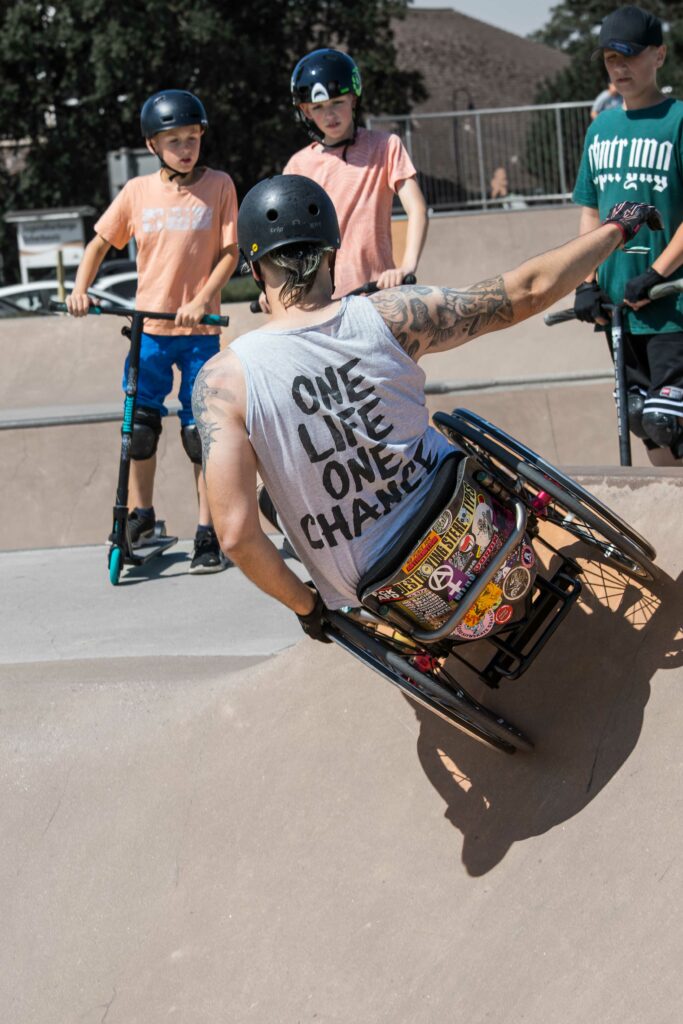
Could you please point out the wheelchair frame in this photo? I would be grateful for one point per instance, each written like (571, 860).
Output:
(413, 659)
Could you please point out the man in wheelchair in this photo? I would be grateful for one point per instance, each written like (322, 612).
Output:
(326, 402)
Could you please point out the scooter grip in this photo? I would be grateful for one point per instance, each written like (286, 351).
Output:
(215, 320)
(254, 306)
(550, 319)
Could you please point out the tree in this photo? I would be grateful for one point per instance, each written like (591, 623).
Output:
(74, 74)
(573, 28)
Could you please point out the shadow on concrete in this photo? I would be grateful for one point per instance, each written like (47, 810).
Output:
(582, 702)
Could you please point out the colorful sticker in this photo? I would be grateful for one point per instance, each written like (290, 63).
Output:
(503, 614)
(466, 544)
(421, 551)
(449, 581)
(478, 630)
(444, 522)
(516, 583)
(528, 558)
(482, 525)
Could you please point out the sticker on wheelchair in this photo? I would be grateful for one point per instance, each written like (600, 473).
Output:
(450, 556)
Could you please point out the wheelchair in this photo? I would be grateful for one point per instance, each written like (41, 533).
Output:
(477, 542)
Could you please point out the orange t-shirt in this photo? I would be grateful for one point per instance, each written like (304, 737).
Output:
(180, 231)
(362, 188)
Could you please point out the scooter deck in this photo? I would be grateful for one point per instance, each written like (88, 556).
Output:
(150, 548)
(144, 553)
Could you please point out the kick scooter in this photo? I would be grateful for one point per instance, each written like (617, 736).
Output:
(658, 291)
(121, 551)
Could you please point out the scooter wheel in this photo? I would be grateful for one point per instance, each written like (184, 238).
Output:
(115, 560)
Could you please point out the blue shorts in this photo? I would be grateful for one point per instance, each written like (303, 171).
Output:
(158, 355)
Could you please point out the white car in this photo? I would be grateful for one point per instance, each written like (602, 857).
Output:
(36, 296)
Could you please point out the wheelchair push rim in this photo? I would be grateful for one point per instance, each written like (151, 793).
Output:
(453, 704)
(551, 495)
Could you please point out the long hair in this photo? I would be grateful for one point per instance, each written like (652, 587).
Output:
(301, 262)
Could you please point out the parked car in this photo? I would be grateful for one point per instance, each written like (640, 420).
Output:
(35, 297)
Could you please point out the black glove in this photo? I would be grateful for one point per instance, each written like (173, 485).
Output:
(314, 623)
(588, 302)
(637, 288)
(630, 217)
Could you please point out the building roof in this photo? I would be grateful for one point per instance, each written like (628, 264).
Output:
(461, 57)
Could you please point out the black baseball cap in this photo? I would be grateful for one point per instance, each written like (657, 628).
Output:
(629, 30)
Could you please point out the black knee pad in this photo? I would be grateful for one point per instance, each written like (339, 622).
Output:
(635, 403)
(662, 428)
(146, 431)
(192, 443)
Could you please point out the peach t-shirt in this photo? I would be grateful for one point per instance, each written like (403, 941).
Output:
(180, 231)
(362, 188)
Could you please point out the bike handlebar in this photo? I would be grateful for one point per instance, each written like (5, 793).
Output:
(211, 319)
(658, 291)
(365, 289)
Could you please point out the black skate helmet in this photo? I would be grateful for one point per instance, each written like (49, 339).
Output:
(323, 75)
(174, 108)
(285, 209)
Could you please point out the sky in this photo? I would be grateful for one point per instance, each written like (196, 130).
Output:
(518, 16)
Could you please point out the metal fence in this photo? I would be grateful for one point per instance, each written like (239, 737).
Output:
(502, 158)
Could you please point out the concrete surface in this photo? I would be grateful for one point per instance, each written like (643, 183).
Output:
(207, 818)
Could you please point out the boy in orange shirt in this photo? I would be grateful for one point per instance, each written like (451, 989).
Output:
(360, 170)
(184, 221)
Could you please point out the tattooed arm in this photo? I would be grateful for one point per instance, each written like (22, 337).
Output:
(425, 319)
(229, 467)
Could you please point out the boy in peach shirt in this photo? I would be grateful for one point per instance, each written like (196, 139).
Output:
(184, 221)
(360, 170)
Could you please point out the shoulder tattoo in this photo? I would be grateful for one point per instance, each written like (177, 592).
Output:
(207, 398)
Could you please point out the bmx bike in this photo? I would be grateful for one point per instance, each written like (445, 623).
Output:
(120, 549)
(536, 496)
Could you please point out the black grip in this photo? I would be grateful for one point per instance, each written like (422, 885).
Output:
(550, 319)
(254, 306)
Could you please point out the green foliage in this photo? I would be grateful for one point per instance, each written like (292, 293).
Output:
(573, 28)
(74, 74)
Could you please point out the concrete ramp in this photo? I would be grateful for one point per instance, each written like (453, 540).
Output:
(207, 818)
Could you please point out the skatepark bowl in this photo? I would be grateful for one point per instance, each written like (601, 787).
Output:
(207, 817)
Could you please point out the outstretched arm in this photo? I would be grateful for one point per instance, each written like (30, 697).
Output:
(229, 467)
(424, 319)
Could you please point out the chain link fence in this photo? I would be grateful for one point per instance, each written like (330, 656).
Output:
(502, 158)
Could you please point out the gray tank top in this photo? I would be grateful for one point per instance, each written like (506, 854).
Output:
(337, 418)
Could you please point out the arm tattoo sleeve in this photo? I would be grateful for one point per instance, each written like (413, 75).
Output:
(425, 319)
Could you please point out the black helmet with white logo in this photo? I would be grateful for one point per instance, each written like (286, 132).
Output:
(323, 75)
(282, 210)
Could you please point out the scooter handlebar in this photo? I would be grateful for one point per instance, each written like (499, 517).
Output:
(211, 319)
(658, 291)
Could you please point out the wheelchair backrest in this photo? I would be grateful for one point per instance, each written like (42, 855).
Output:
(421, 586)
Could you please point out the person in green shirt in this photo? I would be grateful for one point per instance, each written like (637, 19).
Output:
(636, 153)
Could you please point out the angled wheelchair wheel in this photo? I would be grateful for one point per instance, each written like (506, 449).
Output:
(449, 702)
(551, 495)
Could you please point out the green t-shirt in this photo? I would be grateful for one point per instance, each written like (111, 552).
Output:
(637, 155)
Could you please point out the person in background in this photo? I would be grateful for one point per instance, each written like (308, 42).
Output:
(360, 170)
(184, 222)
(608, 99)
(635, 153)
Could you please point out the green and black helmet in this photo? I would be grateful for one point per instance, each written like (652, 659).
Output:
(323, 75)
